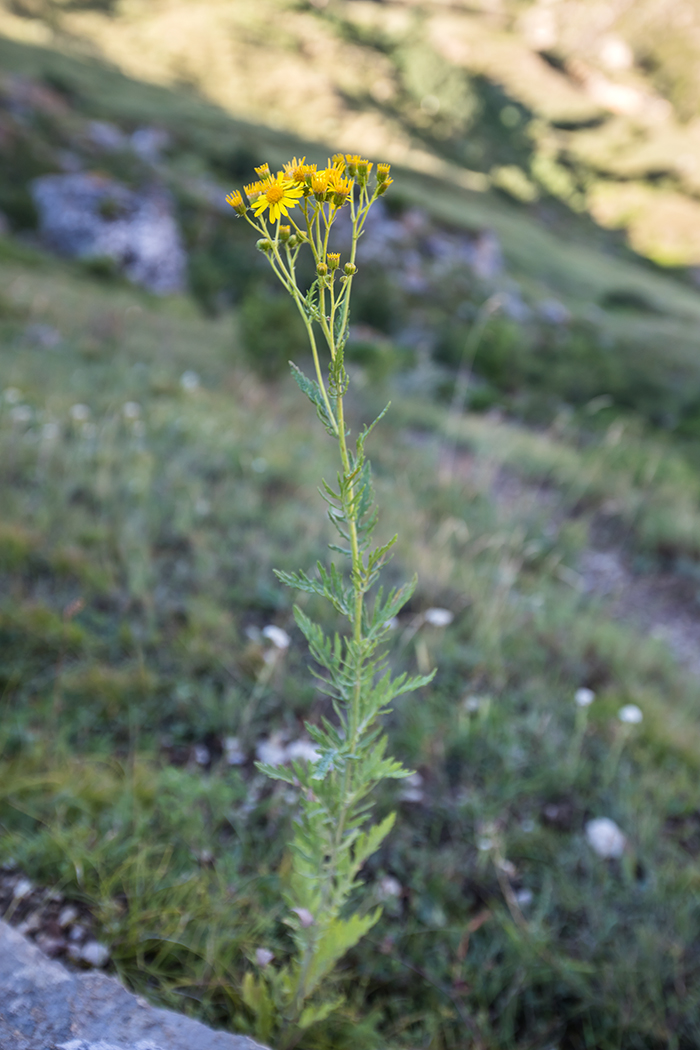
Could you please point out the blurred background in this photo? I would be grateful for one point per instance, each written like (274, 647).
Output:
(528, 298)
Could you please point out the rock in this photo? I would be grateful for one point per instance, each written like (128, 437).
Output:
(106, 136)
(149, 143)
(90, 216)
(42, 1005)
(94, 954)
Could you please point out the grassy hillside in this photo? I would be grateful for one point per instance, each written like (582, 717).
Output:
(156, 464)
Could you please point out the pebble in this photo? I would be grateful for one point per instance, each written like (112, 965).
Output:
(94, 954)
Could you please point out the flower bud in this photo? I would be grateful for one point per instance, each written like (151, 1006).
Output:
(383, 172)
(237, 203)
(350, 269)
(322, 270)
(382, 187)
(293, 241)
(363, 169)
(264, 244)
(333, 259)
(263, 172)
(285, 233)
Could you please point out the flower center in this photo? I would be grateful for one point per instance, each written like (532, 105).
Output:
(275, 193)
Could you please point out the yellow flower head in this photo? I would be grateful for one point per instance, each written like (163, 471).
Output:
(363, 169)
(383, 186)
(278, 194)
(237, 203)
(383, 172)
(253, 191)
(352, 159)
(333, 260)
(296, 169)
(338, 162)
(263, 172)
(339, 189)
(319, 184)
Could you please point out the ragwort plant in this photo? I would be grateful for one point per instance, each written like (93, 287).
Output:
(333, 835)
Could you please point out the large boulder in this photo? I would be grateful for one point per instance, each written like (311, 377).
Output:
(85, 215)
(43, 1006)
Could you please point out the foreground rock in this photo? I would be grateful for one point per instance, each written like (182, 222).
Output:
(89, 216)
(44, 1007)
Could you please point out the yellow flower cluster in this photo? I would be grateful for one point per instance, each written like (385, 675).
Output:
(333, 184)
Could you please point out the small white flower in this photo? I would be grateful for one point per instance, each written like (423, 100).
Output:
(524, 897)
(79, 413)
(189, 381)
(389, 887)
(301, 750)
(484, 844)
(131, 410)
(235, 756)
(21, 414)
(630, 714)
(439, 617)
(605, 838)
(12, 395)
(392, 624)
(50, 431)
(584, 697)
(305, 917)
(471, 704)
(264, 956)
(279, 637)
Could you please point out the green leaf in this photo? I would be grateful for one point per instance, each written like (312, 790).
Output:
(339, 936)
(315, 1013)
(313, 391)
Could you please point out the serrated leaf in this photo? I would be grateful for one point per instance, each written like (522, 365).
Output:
(313, 1014)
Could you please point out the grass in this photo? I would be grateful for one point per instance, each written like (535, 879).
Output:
(166, 525)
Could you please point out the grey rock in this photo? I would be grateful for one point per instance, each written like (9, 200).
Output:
(106, 136)
(85, 216)
(45, 1007)
(149, 143)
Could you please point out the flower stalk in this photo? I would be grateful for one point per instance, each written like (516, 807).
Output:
(294, 211)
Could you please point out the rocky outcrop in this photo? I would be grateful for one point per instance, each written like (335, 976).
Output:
(90, 216)
(43, 1006)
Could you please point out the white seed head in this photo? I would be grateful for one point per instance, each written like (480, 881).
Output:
(389, 887)
(630, 714)
(584, 697)
(605, 838)
(439, 617)
(279, 637)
